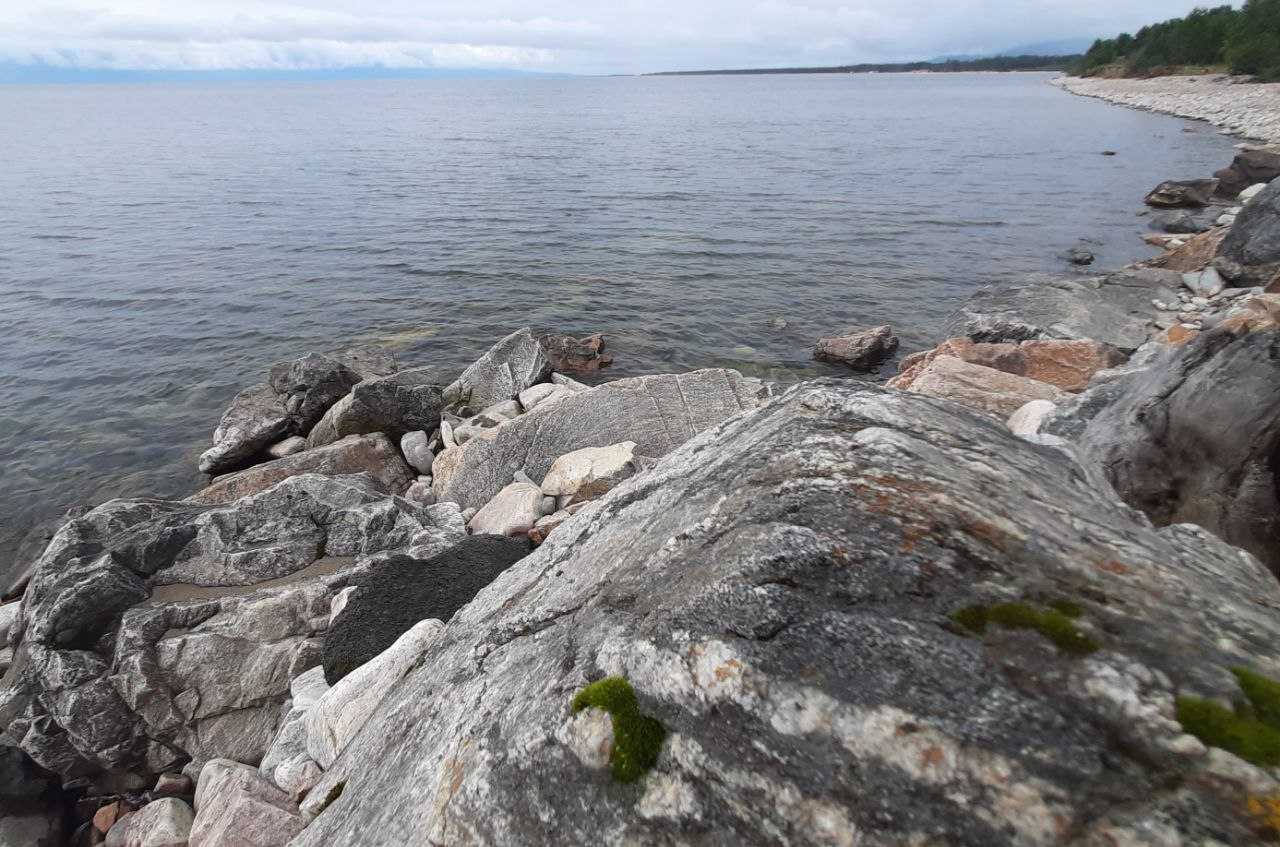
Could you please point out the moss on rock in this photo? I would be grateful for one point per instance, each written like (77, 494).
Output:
(637, 739)
(1251, 731)
(1053, 623)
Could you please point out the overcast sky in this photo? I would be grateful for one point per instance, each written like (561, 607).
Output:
(577, 36)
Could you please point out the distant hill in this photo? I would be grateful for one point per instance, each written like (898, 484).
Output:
(45, 74)
(992, 63)
(1062, 47)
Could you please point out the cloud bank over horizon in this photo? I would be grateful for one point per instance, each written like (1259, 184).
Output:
(570, 36)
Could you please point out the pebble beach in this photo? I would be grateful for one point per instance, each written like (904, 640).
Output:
(1244, 108)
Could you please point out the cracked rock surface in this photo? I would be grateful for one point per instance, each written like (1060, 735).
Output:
(780, 592)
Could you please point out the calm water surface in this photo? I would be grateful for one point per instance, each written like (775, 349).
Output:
(161, 245)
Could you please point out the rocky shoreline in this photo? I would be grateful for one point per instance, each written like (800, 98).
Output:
(1024, 594)
(1235, 105)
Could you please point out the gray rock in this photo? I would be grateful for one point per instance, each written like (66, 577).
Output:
(1255, 238)
(591, 472)
(658, 413)
(863, 349)
(344, 709)
(155, 632)
(1115, 309)
(512, 511)
(779, 592)
(1178, 221)
(568, 382)
(1079, 256)
(254, 421)
(1206, 282)
(308, 386)
(1198, 440)
(402, 590)
(286, 761)
(237, 808)
(31, 800)
(535, 394)
(1177, 193)
(406, 401)
(509, 367)
(374, 456)
(416, 450)
(160, 823)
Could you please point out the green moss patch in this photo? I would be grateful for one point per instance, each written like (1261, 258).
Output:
(1053, 623)
(1251, 731)
(637, 740)
(334, 793)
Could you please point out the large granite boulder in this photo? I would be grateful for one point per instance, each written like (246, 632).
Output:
(856, 616)
(657, 413)
(1197, 439)
(156, 632)
(254, 421)
(401, 590)
(1114, 309)
(507, 368)
(373, 455)
(403, 402)
(308, 386)
(1254, 239)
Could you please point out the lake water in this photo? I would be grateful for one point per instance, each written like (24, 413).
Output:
(161, 245)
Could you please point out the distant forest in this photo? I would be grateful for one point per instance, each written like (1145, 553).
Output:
(1242, 42)
(996, 63)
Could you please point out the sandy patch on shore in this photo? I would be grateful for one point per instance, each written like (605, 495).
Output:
(1243, 108)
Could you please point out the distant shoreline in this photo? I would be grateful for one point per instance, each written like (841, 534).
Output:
(995, 64)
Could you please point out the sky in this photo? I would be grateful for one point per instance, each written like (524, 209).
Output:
(563, 36)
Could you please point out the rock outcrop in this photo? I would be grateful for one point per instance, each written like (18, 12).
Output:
(1115, 309)
(156, 633)
(374, 456)
(657, 413)
(856, 616)
(994, 392)
(1197, 440)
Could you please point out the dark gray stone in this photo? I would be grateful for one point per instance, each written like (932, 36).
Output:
(399, 591)
(779, 593)
(1114, 309)
(308, 386)
(1249, 167)
(1178, 222)
(1198, 440)
(406, 401)
(31, 800)
(1254, 239)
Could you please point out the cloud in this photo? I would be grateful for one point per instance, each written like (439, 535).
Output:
(578, 36)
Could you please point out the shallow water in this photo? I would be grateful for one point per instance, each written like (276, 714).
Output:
(161, 245)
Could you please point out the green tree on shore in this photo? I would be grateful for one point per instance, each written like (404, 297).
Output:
(1245, 42)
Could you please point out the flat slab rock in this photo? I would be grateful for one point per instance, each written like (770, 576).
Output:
(1114, 310)
(374, 455)
(779, 592)
(983, 389)
(657, 413)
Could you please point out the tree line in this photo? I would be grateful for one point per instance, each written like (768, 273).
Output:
(1244, 41)
(994, 63)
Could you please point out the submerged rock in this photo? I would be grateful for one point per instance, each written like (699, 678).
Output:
(657, 413)
(797, 598)
(509, 367)
(401, 590)
(1198, 440)
(576, 355)
(158, 632)
(863, 349)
